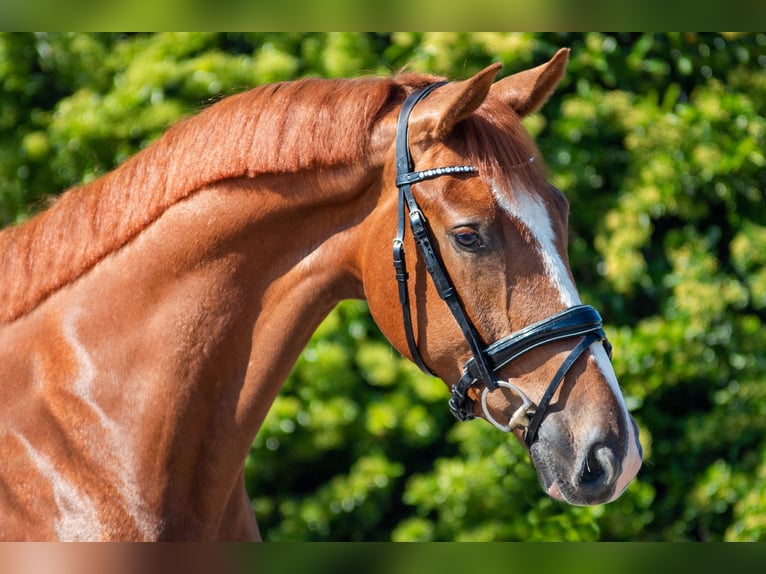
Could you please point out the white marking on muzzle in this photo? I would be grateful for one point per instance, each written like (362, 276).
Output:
(631, 463)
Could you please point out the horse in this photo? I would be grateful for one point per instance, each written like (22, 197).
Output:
(149, 318)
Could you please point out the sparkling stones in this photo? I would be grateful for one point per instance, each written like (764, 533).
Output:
(416, 176)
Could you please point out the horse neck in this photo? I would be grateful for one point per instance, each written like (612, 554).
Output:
(207, 310)
(299, 258)
(306, 264)
(279, 261)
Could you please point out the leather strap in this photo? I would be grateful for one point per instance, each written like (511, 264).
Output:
(578, 321)
(572, 322)
(405, 177)
(542, 406)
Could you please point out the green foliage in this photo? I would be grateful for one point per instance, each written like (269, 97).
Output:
(658, 142)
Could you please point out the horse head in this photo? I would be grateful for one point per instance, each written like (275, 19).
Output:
(488, 301)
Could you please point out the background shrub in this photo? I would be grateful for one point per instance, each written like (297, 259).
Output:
(658, 142)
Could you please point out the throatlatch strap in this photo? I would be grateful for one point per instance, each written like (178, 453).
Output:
(404, 165)
(400, 265)
(405, 177)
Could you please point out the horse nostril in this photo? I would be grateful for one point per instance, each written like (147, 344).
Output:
(599, 468)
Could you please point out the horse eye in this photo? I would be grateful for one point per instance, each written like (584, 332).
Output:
(468, 239)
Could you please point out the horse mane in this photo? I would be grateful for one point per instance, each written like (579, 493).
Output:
(277, 128)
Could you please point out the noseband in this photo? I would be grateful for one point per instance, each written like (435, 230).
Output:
(486, 361)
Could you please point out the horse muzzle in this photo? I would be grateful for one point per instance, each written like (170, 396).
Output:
(596, 472)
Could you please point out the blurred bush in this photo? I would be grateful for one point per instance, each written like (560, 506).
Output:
(657, 140)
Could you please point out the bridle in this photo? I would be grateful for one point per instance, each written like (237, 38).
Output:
(487, 360)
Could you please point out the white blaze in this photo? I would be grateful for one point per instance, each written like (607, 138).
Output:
(532, 212)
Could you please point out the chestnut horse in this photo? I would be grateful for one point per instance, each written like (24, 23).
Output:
(149, 318)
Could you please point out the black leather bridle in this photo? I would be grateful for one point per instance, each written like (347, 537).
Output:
(487, 360)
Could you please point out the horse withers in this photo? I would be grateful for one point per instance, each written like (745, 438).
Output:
(149, 318)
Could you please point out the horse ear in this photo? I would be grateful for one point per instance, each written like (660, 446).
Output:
(527, 91)
(437, 115)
